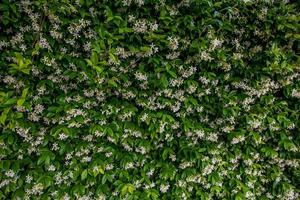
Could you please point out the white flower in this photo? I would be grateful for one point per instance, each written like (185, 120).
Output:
(208, 169)
(38, 108)
(173, 42)
(150, 173)
(144, 117)
(23, 47)
(205, 56)
(62, 136)
(141, 77)
(164, 188)
(109, 167)
(87, 46)
(139, 2)
(37, 189)
(154, 48)
(10, 173)
(216, 43)
(131, 18)
(109, 154)
(237, 139)
(173, 157)
(295, 93)
(51, 168)
(140, 26)
(44, 43)
(129, 165)
(87, 159)
(153, 26)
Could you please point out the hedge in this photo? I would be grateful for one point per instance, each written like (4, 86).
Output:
(149, 99)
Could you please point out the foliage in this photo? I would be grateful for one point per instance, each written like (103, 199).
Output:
(149, 99)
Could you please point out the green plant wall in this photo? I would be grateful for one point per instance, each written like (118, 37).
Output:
(149, 99)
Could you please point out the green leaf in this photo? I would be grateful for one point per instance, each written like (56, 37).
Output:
(127, 188)
(112, 82)
(41, 159)
(125, 30)
(10, 139)
(153, 194)
(98, 69)
(9, 102)
(4, 115)
(23, 97)
(103, 180)
(84, 174)
(173, 74)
